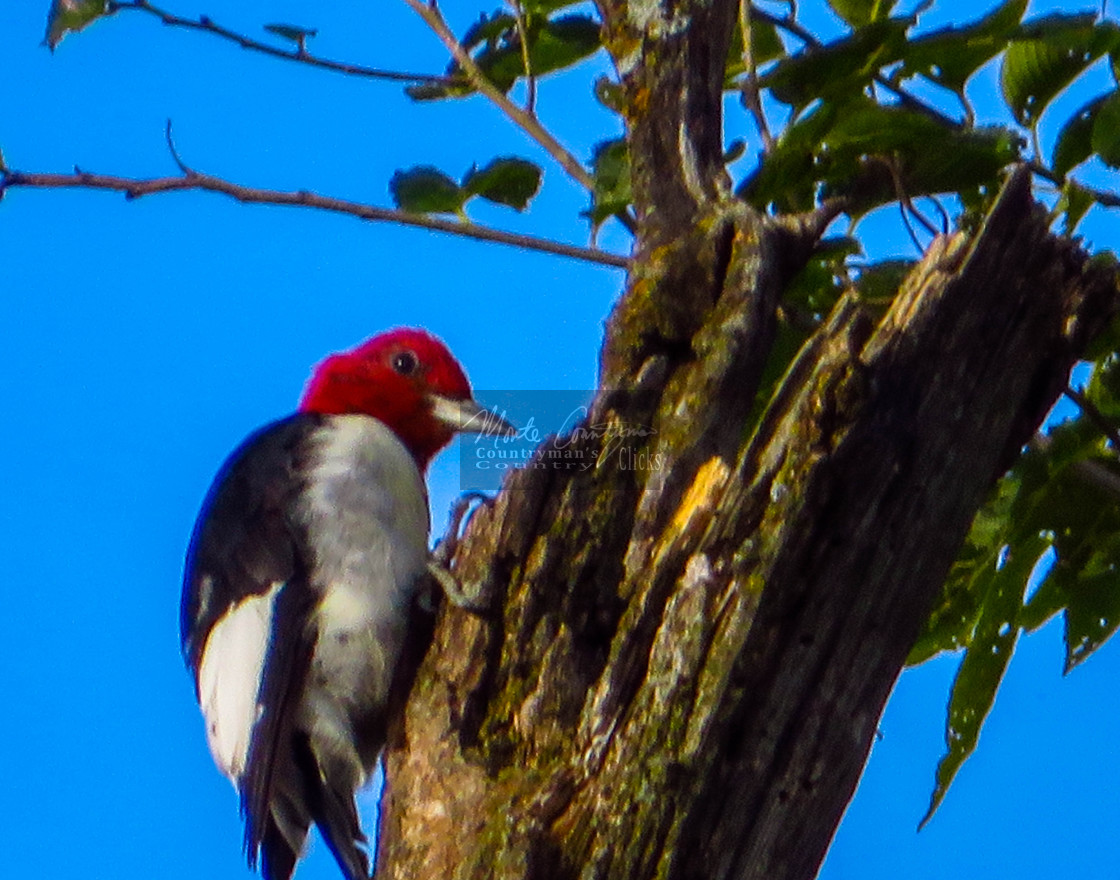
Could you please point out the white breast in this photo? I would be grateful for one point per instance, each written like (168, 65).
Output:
(366, 513)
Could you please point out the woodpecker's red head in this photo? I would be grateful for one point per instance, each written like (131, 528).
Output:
(407, 379)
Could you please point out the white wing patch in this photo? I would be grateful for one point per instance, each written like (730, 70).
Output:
(229, 679)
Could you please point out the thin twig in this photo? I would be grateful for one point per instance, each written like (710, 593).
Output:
(811, 225)
(1091, 470)
(1105, 199)
(300, 55)
(905, 204)
(433, 18)
(530, 79)
(1096, 417)
(526, 121)
(751, 98)
(945, 222)
(927, 224)
(134, 188)
(183, 167)
(1036, 144)
(910, 229)
(969, 110)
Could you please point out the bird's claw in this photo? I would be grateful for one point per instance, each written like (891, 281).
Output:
(439, 567)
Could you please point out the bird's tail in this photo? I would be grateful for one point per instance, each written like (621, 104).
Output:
(295, 801)
(333, 810)
(282, 842)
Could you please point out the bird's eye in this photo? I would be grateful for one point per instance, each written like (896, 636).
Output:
(405, 363)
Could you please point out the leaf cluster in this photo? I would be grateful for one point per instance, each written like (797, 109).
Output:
(1046, 543)
(529, 41)
(427, 190)
(67, 16)
(856, 131)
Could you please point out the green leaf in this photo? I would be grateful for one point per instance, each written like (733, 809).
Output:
(1105, 139)
(865, 152)
(786, 179)
(951, 56)
(1104, 388)
(610, 165)
(495, 40)
(1074, 202)
(1038, 69)
(765, 42)
(489, 29)
(983, 666)
(734, 151)
(426, 190)
(66, 16)
(1083, 514)
(1104, 347)
(292, 32)
(610, 94)
(507, 181)
(491, 32)
(953, 619)
(1075, 141)
(817, 287)
(1084, 581)
(431, 91)
(546, 7)
(839, 69)
(927, 157)
(789, 337)
(766, 45)
(1093, 612)
(563, 42)
(1056, 24)
(1053, 521)
(879, 282)
(861, 12)
(1073, 501)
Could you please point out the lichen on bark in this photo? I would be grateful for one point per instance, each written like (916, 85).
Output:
(684, 670)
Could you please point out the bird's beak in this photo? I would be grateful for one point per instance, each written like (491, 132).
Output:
(469, 417)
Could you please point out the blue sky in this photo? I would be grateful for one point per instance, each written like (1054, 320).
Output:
(142, 341)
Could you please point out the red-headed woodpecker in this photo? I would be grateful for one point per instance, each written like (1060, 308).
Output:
(302, 569)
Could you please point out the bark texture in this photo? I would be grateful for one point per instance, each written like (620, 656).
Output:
(686, 664)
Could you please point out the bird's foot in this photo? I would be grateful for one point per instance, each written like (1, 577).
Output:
(439, 566)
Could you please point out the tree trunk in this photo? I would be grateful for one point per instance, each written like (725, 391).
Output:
(686, 664)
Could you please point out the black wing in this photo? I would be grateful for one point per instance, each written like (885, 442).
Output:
(274, 788)
(245, 542)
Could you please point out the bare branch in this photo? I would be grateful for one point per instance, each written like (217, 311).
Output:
(300, 55)
(1101, 197)
(1094, 415)
(134, 188)
(944, 215)
(1096, 474)
(523, 119)
(914, 240)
